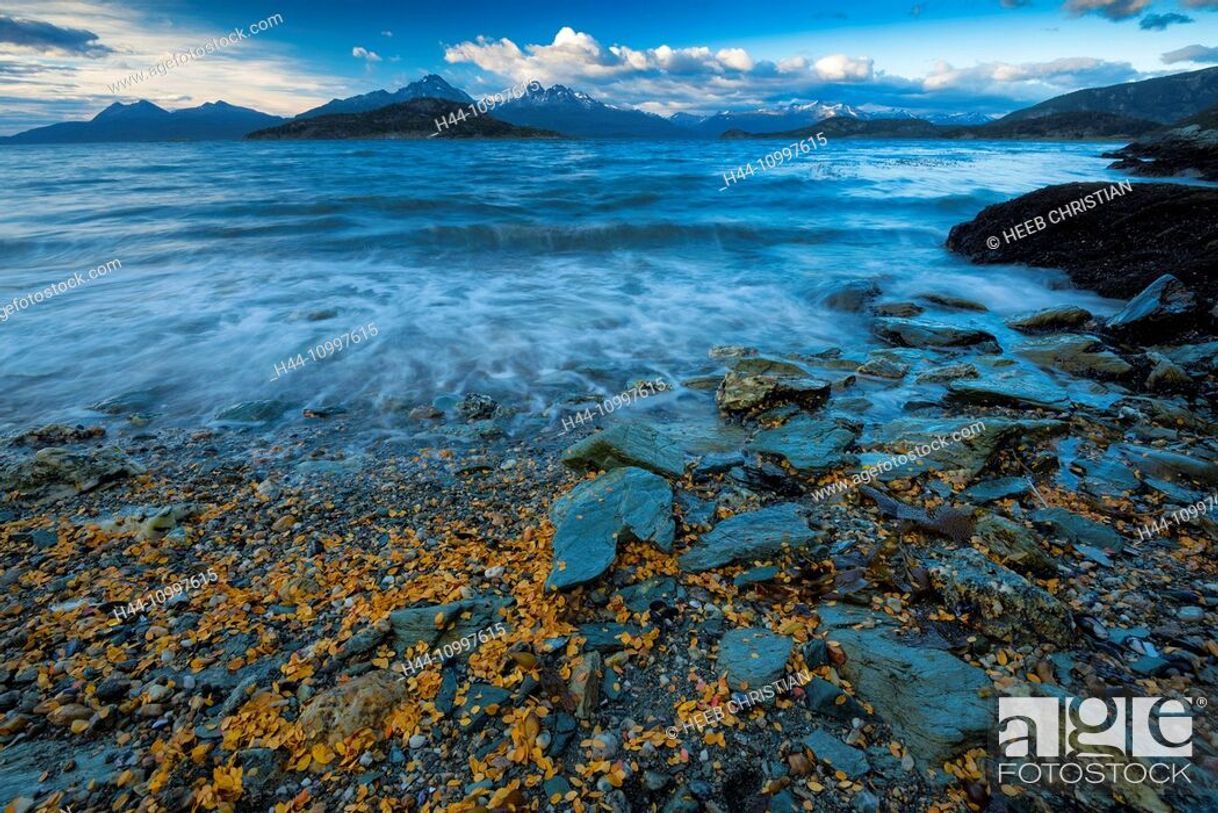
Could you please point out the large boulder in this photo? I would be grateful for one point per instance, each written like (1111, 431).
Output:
(627, 504)
(977, 441)
(1078, 354)
(927, 334)
(756, 535)
(1017, 389)
(939, 705)
(999, 602)
(1062, 317)
(59, 472)
(743, 394)
(753, 658)
(627, 444)
(1116, 248)
(811, 445)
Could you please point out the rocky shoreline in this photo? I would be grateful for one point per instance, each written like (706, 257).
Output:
(648, 575)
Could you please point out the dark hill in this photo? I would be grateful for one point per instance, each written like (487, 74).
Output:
(413, 119)
(1164, 99)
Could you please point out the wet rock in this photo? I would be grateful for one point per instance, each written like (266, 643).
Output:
(1014, 546)
(1064, 317)
(927, 334)
(1171, 466)
(336, 713)
(1109, 476)
(424, 412)
(627, 444)
(999, 602)
(932, 699)
(949, 372)
(841, 757)
(853, 296)
(1200, 358)
(755, 535)
(1165, 307)
(1079, 530)
(882, 367)
(810, 445)
(758, 575)
(753, 658)
(57, 434)
(898, 309)
(955, 303)
(762, 365)
(476, 406)
(59, 472)
(438, 624)
(253, 412)
(980, 441)
(1012, 390)
(1076, 353)
(1004, 488)
(627, 504)
(745, 395)
(1167, 376)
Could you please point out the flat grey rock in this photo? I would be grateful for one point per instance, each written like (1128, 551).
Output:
(756, 535)
(629, 444)
(752, 657)
(626, 504)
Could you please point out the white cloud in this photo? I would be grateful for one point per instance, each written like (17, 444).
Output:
(386, 33)
(360, 52)
(735, 58)
(260, 71)
(841, 68)
(1059, 74)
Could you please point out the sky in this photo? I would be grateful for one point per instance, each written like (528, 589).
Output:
(66, 60)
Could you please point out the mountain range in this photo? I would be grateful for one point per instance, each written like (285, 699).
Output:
(1125, 110)
(144, 121)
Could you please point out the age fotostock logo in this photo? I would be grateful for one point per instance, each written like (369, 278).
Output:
(1093, 739)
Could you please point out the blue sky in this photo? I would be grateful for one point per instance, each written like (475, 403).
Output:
(59, 59)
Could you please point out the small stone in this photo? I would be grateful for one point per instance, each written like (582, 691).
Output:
(417, 742)
(1190, 614)
(283, 523)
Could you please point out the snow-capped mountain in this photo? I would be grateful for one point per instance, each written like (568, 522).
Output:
(774, 119)
(574, 113)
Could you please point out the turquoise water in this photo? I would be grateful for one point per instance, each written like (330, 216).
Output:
(526, 270)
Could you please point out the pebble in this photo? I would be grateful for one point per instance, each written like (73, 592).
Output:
(494, 572)
(417, 742)
(1190, 613)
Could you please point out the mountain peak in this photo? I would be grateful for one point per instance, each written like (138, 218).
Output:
(141, 109)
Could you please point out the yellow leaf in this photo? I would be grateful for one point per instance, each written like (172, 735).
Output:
(322, 755)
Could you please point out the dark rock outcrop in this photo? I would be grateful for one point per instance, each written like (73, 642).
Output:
(1116, 248)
